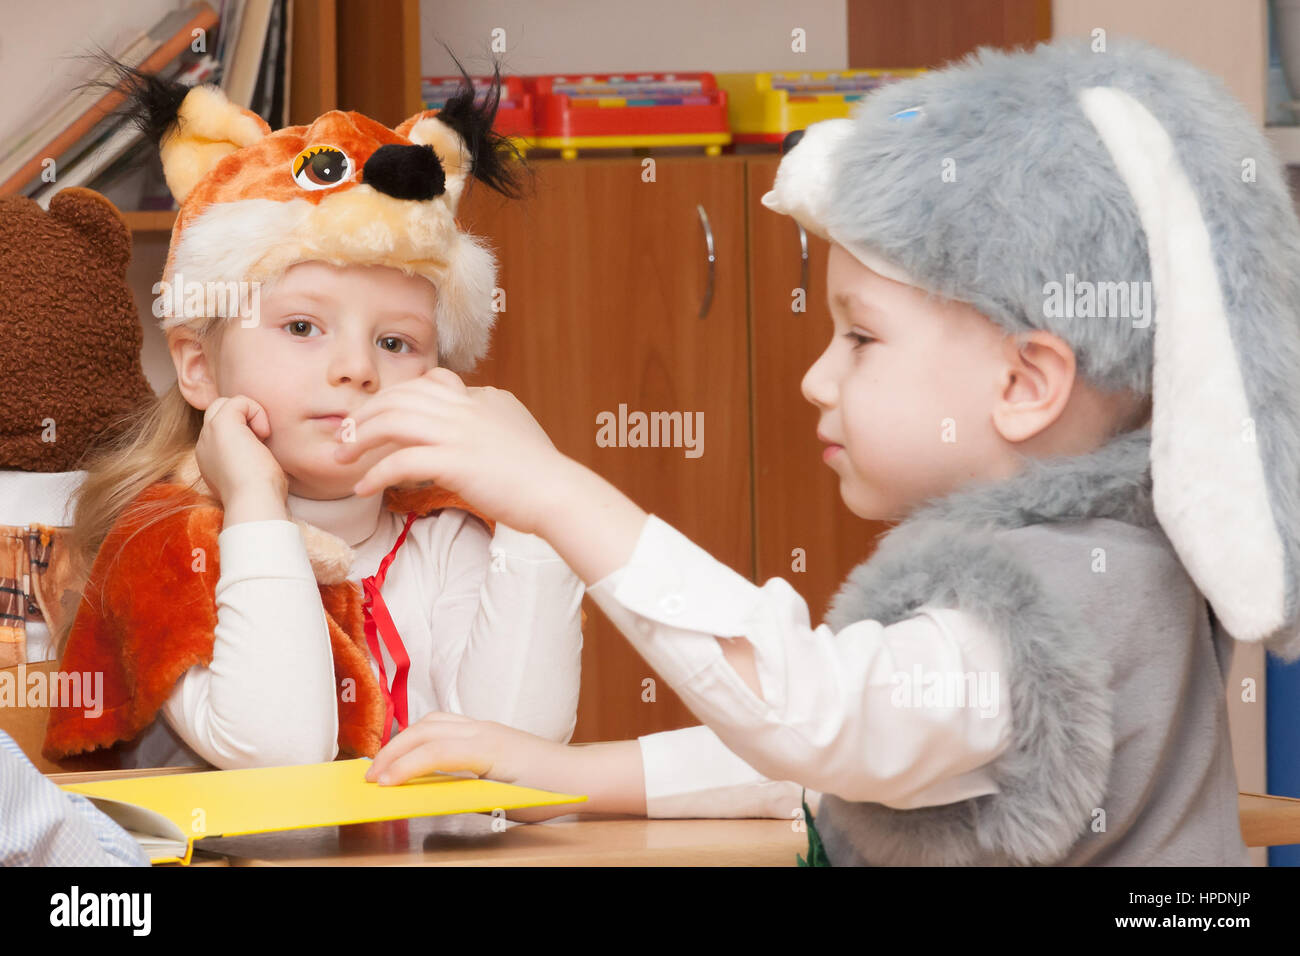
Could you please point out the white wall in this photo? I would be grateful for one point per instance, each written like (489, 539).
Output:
(572, 36)
(1226, 37)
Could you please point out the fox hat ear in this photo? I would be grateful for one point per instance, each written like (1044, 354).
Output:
(461, 134)
(208, 128)
(195, 127)
(427, 129)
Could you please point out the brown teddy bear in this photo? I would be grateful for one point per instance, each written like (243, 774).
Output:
(70, 341)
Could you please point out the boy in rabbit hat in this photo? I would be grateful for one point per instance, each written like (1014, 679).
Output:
(1098, 170)
(1074, 378)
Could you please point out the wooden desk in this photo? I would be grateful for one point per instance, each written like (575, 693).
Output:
(471, 839)
(476, 839)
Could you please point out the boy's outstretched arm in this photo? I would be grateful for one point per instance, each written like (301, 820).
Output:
(594, 527)
(794, 702)
(486, 446)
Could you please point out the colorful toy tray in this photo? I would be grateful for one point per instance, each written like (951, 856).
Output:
(629, 111)
(764, 107)
(514, 108)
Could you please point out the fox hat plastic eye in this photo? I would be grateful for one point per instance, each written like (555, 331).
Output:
(321, 167)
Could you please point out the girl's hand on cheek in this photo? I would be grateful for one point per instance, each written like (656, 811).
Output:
(481, 443)
(231, 451)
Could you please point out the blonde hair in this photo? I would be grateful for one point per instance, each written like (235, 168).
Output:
(145, 448)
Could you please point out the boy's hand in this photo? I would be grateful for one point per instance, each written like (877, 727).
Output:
(231, 451)
(481, 443)
(484, 445)
(448, 743)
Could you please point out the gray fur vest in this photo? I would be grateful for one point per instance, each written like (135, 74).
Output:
(1119, 748)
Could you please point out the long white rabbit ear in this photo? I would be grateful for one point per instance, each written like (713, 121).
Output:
(1225, 466)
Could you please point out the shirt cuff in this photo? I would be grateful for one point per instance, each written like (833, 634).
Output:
(263, 549)
(691, 773)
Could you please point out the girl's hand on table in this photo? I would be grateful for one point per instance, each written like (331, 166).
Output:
(447, 743)
(481, 443)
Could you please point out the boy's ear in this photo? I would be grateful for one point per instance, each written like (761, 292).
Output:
(1041, 371)
(208, 127)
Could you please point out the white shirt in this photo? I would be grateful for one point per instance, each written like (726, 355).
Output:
(833, 716)
(492, 639)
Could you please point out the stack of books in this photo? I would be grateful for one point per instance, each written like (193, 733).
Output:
(87, 141)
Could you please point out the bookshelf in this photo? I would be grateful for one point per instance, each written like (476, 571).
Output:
(149, 220)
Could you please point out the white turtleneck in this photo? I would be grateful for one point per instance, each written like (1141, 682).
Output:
(353, 519)
(491, 625)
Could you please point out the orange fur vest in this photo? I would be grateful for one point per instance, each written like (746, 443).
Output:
(148, 614)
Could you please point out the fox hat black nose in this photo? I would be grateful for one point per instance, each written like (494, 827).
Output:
(405, 172)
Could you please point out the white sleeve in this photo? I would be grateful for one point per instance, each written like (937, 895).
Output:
(691, 773)
(267, 699)
(514, 608)
(850, 713)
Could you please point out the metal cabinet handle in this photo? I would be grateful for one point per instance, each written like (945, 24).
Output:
(803, 260)
(708, 243)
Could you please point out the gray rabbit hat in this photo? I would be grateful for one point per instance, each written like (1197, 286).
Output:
(1053, 189)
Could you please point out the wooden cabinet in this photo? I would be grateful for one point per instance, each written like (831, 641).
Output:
(604, 275)
(800, 520)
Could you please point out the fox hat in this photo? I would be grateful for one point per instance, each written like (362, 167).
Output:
(344, 189)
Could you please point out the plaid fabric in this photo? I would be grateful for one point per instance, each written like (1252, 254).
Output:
(42, 825)
(34, 571)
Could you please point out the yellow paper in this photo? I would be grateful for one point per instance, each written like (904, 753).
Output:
(265, 799)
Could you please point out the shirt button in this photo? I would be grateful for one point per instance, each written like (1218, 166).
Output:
(672, 604)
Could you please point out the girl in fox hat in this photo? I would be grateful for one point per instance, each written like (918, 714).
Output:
(245, 606)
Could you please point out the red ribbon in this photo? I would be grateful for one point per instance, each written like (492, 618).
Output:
(376, 616)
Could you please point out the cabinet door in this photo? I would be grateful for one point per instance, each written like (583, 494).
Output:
(800, 520)
(604, 274)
